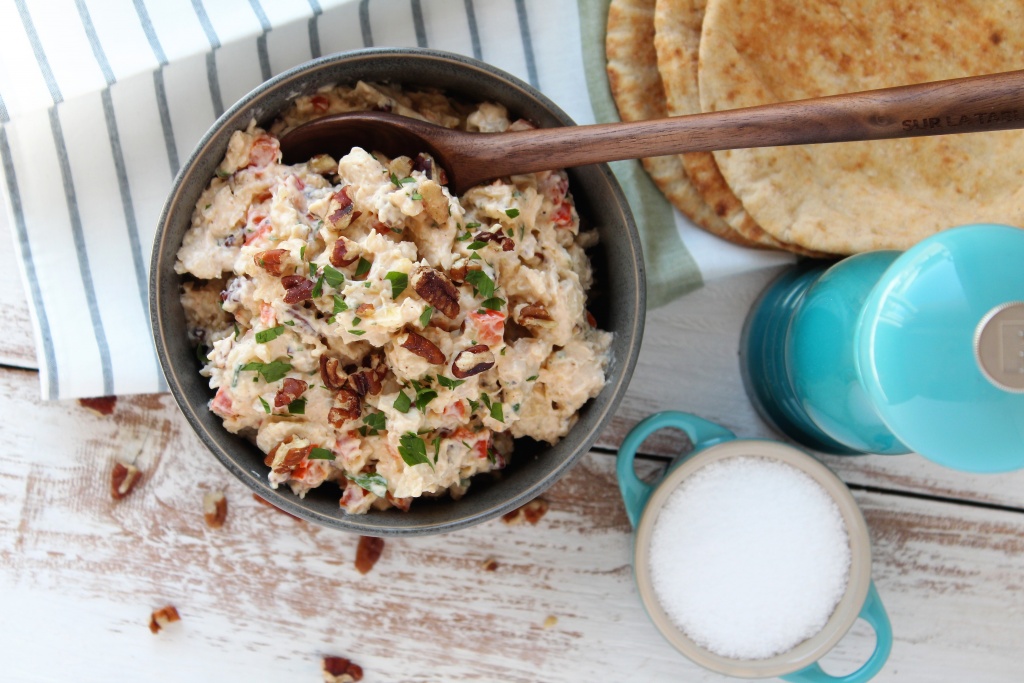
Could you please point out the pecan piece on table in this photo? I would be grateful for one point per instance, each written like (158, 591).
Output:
(424, 348)
(368, 552)
(215, 509)
(297, 288)
(123, 479)
(344, 253)
(341, 670)
(347, 406)
(331, 373)
(162, 617)
(472, 361)
(531, 512)
(270, 261)
(437, 290)
(291, 390)
(100, 405)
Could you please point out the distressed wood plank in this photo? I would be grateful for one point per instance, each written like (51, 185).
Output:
(17, 346)
(689, 361)
(266, 596)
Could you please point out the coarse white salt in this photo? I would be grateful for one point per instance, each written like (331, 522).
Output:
(749, 557)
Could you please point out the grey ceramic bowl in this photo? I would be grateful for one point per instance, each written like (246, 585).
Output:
(617, 300)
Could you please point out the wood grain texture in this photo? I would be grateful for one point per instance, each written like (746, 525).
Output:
(17, 347)
(266, 596)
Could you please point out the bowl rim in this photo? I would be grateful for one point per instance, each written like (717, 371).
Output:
(163, 256)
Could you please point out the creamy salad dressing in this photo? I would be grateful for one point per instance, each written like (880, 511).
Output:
(366, 327)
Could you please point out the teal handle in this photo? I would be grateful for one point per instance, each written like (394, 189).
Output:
(874, 613)
(635, 492)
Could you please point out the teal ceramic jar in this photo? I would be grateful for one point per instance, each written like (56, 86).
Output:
(890, 352)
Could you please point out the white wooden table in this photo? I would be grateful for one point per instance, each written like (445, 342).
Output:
(265, 597)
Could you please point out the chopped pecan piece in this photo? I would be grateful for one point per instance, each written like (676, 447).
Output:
(365, 310)
(383, 228)
(160, 618)
(123, 479)
(297, 288)
(215, 509)
(101, 405)
(534, 315)
(291, 390)
(347, 406)
(531, 512)
(472, 361)
(364, 382)
(368, 552)
(345, 253)
(270, 261)
(332, 373)
(437, 290)
(424, 348)
(341, 670)
(458, 273)
(339, 209)
(435, 203)
(296, 455)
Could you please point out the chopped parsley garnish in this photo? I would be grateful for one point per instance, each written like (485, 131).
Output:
(449, 383)
(363, 268)
(531, 378)
(289, 323)
(494, 303)
(510, 232)
(437, 448)
(238, 331)
(404, 181)
(511, 213)
(413, 450)
(475, 255)
(402, 403)
(266, 406)
(486, 399)
(271, 372)
(297, 407)
(339, 304)
(478, 244)
(312, 269)
(335, 278)
(270, 334)
(375, 422)
(374, 483)
(496, 412)
(318, 288)
(482, 283)
(302, 253)
(399, 281)
(464, 237)
(356, 320)
(515, 407)
(425, 316)
(416, 195)
(223, 174)
(424, 395)
(203, 354)
(470, 226)
(321, 454)
(358, 333)
(473, 405)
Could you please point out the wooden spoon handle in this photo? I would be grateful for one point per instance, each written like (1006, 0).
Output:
(963, 105)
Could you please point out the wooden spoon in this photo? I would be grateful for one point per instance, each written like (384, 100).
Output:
(963, 105)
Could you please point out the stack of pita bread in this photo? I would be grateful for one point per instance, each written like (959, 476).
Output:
(676, 57)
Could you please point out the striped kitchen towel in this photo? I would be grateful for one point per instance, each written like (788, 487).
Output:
(102, 100)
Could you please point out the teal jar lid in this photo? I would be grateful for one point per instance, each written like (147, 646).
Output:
(940, 348)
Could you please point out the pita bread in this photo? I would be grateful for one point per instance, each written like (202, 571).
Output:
(637, 90)
(677, 25)
(853, 197)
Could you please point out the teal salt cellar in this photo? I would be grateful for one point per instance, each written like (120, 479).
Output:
(889, 352)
